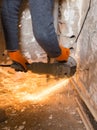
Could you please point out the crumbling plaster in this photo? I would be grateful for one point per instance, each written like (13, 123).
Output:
(86, 53)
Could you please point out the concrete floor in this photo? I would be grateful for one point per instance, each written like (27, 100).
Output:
(51, 107)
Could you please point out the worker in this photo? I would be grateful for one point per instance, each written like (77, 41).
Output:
(43, 29)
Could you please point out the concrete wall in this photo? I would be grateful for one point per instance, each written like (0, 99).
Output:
(78, 29)
(86, 56)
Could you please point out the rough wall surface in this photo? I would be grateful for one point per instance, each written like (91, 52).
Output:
(77, 15)
(86, 54)
(86, 51)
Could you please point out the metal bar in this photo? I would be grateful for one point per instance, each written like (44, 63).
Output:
(83, 116)
(85, 97)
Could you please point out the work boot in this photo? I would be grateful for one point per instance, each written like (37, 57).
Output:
(17, 58)
(65, 52)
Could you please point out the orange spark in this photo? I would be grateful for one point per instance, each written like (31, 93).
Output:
(45, 93)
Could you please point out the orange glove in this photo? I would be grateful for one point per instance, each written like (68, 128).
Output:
(65, 52)
(17, 56)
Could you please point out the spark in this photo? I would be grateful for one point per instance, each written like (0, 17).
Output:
(45, 93)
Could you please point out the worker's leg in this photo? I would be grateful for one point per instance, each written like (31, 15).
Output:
(10, 18)
(10, 12)
(43, 28)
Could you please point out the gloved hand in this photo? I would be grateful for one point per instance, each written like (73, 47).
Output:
(16, 56)
(65, 52)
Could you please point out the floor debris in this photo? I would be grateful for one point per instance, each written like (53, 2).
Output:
(57, 110)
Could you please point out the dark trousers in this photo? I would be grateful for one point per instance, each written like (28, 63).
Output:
(43, 26)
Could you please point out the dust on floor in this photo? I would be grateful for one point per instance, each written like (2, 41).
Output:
(37, 102)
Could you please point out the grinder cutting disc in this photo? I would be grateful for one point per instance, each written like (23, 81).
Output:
(57, 69)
